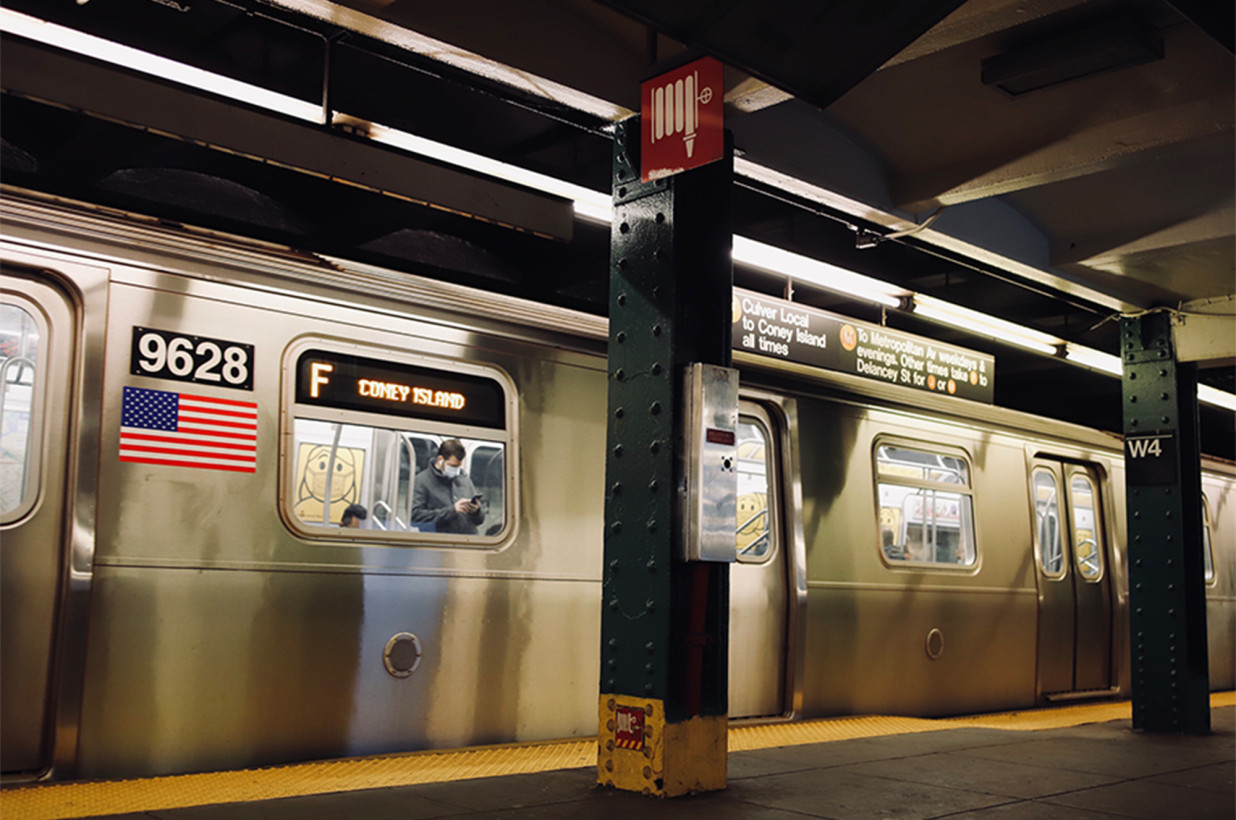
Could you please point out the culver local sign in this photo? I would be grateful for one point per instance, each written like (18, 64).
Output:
(683, 123)
(796, 333)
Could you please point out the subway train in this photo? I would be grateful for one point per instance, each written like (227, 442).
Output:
(187, 415)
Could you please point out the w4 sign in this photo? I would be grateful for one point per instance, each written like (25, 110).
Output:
(1150, 459)
(1143, 447)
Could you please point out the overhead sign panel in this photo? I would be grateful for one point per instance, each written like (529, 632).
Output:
(682, 124)
(793, 332)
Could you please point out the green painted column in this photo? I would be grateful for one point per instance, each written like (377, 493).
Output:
(1167, 600)
(664, 622)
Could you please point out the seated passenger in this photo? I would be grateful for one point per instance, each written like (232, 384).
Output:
(892, 549)
(353, 516)
(443, 494)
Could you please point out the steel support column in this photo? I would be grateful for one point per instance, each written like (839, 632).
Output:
(1167, 601)
(664, 622)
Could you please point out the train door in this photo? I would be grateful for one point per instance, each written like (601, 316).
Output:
(1074, 580)
(36, 358)
(759, 598)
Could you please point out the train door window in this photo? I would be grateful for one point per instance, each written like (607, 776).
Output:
(22, 339)
(1087, 536)
(423, 445)
(1208, 557)
(753, 527)
(926, 510)
(1047, 523)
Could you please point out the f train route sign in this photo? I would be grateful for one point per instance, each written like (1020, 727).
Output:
(337, 380)
(796, 333)
(682, 123)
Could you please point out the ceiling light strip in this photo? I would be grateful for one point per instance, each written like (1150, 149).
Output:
(589, 204)
(87, 45)
(821, 274)
(1113, 366)
(1094, 359)
(972, 321)
(1215, 397)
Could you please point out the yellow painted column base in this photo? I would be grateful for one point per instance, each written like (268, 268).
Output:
(640, 752)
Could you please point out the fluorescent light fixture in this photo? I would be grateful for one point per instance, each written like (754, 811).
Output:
(1094, 359)
(822, 274)
(972, 321)
(1107, 363)
(589, 204)
(1215, 397)
(22, 25)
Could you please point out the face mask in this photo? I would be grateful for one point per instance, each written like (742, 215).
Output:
(449, 471)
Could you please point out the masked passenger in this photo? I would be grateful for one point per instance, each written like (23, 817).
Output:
(444, 496)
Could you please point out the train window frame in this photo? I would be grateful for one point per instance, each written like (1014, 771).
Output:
(32, 461)
(1061, 527)
(1209, 575)
(406, 427)
(771, 523)
(1099, 533)
(967, 519)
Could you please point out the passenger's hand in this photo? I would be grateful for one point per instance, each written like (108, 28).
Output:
(465, 506)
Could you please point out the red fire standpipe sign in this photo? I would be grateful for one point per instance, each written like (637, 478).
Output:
(683, 123)
(629, 727)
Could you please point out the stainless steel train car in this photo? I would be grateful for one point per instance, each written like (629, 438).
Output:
(187, 415)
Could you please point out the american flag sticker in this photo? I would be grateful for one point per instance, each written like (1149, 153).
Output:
(183, 430)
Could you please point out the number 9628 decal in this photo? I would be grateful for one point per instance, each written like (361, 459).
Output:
(163, 355)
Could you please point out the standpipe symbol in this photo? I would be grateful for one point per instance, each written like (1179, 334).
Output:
(682, 119)
(676, 109)
(629, 727)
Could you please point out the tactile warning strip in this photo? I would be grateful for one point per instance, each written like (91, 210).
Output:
(69, 800)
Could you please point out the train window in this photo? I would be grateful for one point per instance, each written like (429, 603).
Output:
(1087, 536)
(22, 338)
(926, 506)
(752, 533)
(1047, 524)
(423, 446)
(1208, 558)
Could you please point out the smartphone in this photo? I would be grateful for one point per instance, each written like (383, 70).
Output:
(476, 499)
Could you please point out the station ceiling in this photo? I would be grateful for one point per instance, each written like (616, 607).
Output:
(1053, 163)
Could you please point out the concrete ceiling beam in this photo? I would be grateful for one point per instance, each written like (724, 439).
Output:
(1103, 147)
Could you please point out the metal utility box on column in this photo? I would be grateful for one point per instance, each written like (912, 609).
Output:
(671, 482)
(1163, 479)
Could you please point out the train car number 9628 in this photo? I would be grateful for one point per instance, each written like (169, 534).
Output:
(160, 354)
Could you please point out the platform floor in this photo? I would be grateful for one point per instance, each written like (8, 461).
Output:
(1074, 762)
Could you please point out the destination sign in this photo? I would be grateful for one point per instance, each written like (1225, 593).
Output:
(354, 383)
(796, 333)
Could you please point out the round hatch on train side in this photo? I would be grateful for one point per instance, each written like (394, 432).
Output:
(935, 644)
(402, 654)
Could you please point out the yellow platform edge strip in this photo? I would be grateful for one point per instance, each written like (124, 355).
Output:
(83, 799)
